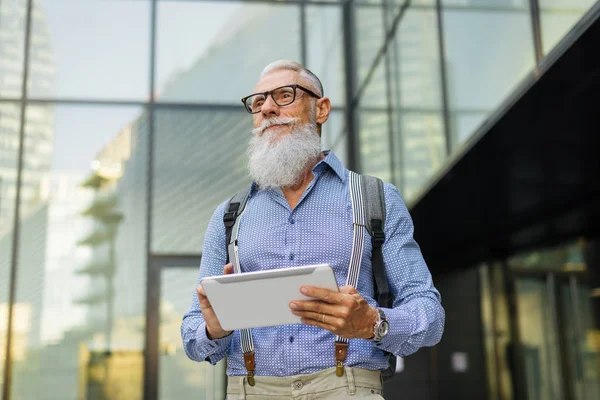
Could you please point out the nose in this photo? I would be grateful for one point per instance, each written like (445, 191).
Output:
(269, 108)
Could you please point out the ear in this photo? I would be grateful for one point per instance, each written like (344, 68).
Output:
(323, 108)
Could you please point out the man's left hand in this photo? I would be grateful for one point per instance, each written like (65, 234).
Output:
(345, 313)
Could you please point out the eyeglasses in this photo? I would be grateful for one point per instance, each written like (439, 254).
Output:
(282, 96)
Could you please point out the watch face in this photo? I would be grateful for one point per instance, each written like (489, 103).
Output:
(383, 329)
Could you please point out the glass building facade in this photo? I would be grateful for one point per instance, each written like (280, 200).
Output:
(121, 129)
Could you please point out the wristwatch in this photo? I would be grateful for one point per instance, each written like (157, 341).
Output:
(381, 328)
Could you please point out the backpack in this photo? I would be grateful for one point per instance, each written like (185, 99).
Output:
(374, 199)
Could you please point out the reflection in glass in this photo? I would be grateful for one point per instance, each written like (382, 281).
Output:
(496, 332)
(201, 46)
(415, 61)
(181, 378)
(416, 101)
(79, 308)
(375, 145)
(325, 49)
(200, 162)
(421, 145)
(483, 69)
(10, 114)
(557, 17)
(539, 338)
(73, 52)
(582, 327)
(369, 39)
(12, 48)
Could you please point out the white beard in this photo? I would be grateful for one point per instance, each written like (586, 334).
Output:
(282, 161)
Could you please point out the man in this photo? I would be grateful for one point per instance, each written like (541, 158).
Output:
(299, 213)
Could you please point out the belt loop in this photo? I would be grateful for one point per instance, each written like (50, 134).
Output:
(351, 384)
(242, 388)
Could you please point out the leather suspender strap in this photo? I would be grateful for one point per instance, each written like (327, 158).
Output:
(358, 222)
(235, 210)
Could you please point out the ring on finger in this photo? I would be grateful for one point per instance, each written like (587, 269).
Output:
(323, 319)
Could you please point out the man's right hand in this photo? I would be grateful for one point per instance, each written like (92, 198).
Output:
(213, 326)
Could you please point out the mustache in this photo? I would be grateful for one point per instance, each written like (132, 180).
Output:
(267, 123)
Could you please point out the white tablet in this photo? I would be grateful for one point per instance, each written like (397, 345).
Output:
(262, 298)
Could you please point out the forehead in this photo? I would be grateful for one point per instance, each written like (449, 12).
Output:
(276, 79)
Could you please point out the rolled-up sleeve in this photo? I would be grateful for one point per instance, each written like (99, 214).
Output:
(196, 344)
(417, 317)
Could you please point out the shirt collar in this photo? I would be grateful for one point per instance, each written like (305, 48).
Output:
(333, 162)
(330, 161)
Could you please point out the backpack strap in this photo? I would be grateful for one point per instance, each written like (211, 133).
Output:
(231, 219)
(375, 207)
(375, 218)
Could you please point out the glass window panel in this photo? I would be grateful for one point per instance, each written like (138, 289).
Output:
(557, 17)
(465, 124)
(179, 377)
(12, 47)
(325, 50)
(90, 49)
(374, 137)
(488, 52)
(200, 161)
(10, 117)
(420, 149)
(415, 61)
(215, 51)
(80, 298)
(369, 39)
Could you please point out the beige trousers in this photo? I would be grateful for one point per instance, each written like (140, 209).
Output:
(355, 384)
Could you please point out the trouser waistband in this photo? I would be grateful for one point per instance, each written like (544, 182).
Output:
(299, 385)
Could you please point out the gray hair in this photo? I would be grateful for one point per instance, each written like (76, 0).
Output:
(315, 83)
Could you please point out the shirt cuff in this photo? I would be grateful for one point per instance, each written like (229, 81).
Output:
(400, 323)
(211, 347)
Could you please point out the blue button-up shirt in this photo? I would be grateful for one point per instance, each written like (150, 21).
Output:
(318, 230)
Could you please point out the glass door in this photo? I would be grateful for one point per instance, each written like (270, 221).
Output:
(538, 325)
(558, 331)
(178, 376)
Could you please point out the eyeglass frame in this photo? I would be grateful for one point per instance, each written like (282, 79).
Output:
(270, 92)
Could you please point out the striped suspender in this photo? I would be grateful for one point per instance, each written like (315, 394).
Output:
(232, 250)
(358, 220)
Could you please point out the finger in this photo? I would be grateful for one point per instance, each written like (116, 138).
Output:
(319, 323)
(327, 320)
(200, 291)
(348, 290)
(323, 294)
(228, 269)
(316, 306)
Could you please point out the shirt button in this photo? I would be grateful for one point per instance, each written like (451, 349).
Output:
(292, 221)
(291, 339)
(291, 256)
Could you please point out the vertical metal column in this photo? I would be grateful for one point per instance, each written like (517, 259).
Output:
(443, 77)
(303, 37)
(349, 25)
(388, 92)
(6, 389)
(534, 9)
(519, 383)
(578, 329)
(150, 388)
